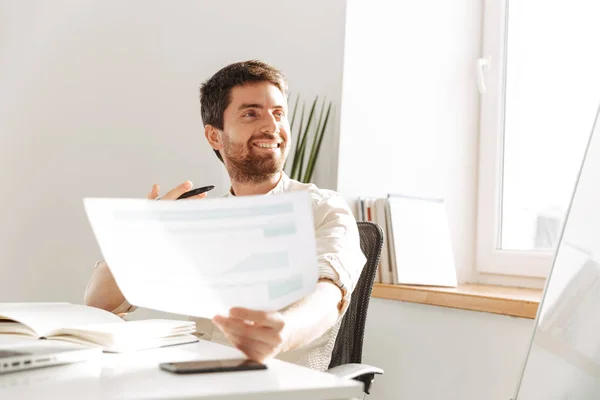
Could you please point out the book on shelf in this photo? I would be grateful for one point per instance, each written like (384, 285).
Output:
(375, 210)
(417, 247)
(91, 326)
(386, 267)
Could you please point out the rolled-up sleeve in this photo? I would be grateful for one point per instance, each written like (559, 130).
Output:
(124, 308)
(340, 258)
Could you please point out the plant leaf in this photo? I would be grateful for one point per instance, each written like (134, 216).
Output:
(294, 113)
(305, 137)
(297, 149)
(312, 156)
(292, 124)
(310, 172)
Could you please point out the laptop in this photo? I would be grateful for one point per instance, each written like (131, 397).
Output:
(28, 354)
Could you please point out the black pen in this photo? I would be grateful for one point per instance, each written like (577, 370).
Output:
(195, 192)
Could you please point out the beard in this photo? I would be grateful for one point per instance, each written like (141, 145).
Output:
(246, 164)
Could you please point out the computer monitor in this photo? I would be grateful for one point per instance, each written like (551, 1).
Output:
(564, 356)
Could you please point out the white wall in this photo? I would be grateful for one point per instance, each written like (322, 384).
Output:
(100, 98)
(431, 353)
(409, 125)
(410, 107)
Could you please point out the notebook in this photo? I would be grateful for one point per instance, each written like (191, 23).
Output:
(92, 327)
(420, 241)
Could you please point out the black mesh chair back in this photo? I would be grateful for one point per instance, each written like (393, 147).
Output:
(349, 341)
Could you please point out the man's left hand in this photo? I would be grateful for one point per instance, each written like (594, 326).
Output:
(259, 335)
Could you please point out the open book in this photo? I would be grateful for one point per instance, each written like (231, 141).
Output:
(92, 326)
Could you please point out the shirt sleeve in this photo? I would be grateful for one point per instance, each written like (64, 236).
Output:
(124, 308)
(340, 258)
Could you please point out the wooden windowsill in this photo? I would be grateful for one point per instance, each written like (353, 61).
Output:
(517, 302)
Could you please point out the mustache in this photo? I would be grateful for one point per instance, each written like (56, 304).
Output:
(267, 137)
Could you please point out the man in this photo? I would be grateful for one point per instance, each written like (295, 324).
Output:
(245, 116)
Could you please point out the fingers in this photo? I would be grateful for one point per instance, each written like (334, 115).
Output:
(252, 349)
(178, 191)
(172, 194)
(256, 351)
(153, 194)
(257, 343)
(198, 196)
(175, 193)
(242, 329)
(258, 317)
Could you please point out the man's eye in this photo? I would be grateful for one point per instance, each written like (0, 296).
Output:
(280, 113)
(249, 114)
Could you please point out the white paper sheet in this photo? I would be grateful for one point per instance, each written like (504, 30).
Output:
(200, 258)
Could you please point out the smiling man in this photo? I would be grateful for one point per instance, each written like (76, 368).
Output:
(245, 116)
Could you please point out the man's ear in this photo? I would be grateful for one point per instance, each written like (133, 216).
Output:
(213, 136)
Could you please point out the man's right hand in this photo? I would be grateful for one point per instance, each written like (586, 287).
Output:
(174, 193)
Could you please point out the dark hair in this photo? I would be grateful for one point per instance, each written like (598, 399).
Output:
(215, 93)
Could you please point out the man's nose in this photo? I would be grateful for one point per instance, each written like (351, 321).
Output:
(270, 125)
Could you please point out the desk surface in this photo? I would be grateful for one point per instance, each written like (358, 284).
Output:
(137, 376)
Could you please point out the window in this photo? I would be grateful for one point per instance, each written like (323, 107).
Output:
(540, 89)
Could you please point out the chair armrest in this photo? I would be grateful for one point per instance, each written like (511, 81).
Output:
(360, 372)
(353, 371)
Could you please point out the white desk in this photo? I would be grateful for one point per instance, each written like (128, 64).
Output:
(137, 376)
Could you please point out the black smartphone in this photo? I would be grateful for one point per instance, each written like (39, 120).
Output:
(194, 192)
(206, 366)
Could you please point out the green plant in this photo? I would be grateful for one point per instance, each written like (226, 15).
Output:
(303, 163)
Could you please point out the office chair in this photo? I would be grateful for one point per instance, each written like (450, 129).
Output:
(347, 352)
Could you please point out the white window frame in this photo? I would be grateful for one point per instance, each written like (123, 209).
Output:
(491, 69)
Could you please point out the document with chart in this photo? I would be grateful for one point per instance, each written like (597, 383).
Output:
(202, 257)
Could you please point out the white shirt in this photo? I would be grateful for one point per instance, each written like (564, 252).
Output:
(339, 259)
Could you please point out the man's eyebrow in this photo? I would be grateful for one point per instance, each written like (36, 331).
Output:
(256, 105)
(249, 105)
